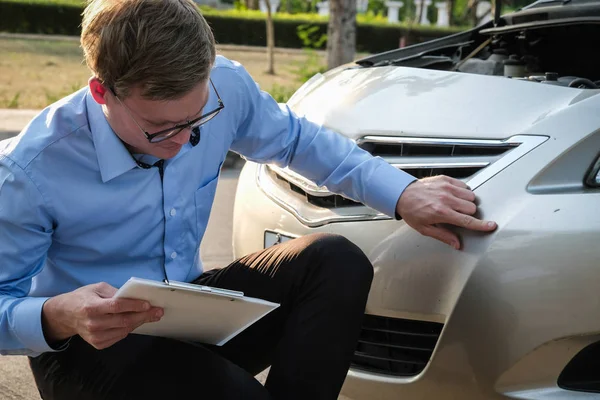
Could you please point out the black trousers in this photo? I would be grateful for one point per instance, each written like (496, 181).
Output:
(321, 281)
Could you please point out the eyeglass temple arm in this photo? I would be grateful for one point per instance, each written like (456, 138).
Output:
(127, 110)
(216, 91)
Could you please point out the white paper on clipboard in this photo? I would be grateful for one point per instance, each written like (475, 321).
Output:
(195, 313)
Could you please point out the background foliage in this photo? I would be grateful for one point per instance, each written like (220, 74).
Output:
(234, 26)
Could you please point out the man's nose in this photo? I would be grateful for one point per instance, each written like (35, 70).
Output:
(182, 137)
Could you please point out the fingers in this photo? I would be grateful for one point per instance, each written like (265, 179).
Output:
(459, 202)
(462, 206)
(123, 320)
(441, 200)
(133, 320)
(470, 222)
(104, 290)
(454, 181)
(443, 235)
(120, 305)
(457, 187)
(106, 330)
(462, 193)
(102, 340)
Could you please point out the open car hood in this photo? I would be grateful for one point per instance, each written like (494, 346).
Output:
(405, 101)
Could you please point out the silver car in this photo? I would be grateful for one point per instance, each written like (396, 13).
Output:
(513, 109)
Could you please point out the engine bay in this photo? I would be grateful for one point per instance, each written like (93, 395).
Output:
(548, 43)
(559, 55)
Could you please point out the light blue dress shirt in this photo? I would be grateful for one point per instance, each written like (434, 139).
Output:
(76, 209)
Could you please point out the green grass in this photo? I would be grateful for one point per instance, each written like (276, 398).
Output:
(282, 93)
(14, 102)
(35, 72)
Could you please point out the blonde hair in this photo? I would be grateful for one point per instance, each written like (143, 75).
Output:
(163, 46)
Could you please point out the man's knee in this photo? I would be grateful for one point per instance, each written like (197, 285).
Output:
(341, 256)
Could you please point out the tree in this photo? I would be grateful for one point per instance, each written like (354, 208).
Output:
(451, 4)
(422, 10)
(270, 40)
(473, 4)
(341, 32)
(252, 4)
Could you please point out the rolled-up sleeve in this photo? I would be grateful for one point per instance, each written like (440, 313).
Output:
(25, 236)
(271, 132)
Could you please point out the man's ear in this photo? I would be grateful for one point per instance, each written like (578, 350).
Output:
(98, 90)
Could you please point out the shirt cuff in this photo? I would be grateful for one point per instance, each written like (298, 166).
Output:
(27, 324)
(387, 183)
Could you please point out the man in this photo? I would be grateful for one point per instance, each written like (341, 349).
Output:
(118, 179)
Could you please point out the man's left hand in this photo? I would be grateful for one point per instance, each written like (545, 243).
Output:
(441, 200)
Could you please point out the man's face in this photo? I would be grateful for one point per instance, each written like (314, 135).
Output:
(154, 116)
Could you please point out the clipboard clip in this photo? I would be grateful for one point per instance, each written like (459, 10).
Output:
(205, 289)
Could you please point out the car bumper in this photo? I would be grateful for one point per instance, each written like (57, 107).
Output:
(497, 341)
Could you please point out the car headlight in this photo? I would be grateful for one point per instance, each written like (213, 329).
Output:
(593, 178)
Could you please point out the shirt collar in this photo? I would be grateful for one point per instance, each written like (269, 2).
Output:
(113, 157)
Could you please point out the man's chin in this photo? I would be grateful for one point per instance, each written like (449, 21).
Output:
(168, 152)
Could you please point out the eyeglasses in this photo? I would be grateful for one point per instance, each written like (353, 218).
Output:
(169, 133)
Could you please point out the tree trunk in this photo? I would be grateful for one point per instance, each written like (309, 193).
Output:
(252, 4)
(270, 40)
(341, 32)
(421, 11)
(474, 18)
(451, 4)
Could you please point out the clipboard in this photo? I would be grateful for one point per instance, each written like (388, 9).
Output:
(196, 313)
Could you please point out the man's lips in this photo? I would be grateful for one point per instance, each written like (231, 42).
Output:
(174, 146)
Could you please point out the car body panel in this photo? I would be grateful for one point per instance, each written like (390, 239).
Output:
(517, 305)
(490, 296)
(398, 101)
(480, 292)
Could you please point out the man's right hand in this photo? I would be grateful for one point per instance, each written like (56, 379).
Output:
(429, 202)
(93, 314)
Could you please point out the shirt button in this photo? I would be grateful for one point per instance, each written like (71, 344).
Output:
(173, 212)
(174, 255)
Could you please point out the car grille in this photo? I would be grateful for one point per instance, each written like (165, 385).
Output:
(397, 347)
(420, 157)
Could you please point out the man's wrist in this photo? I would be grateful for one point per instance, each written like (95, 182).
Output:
(55, 333)
(398, 214)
